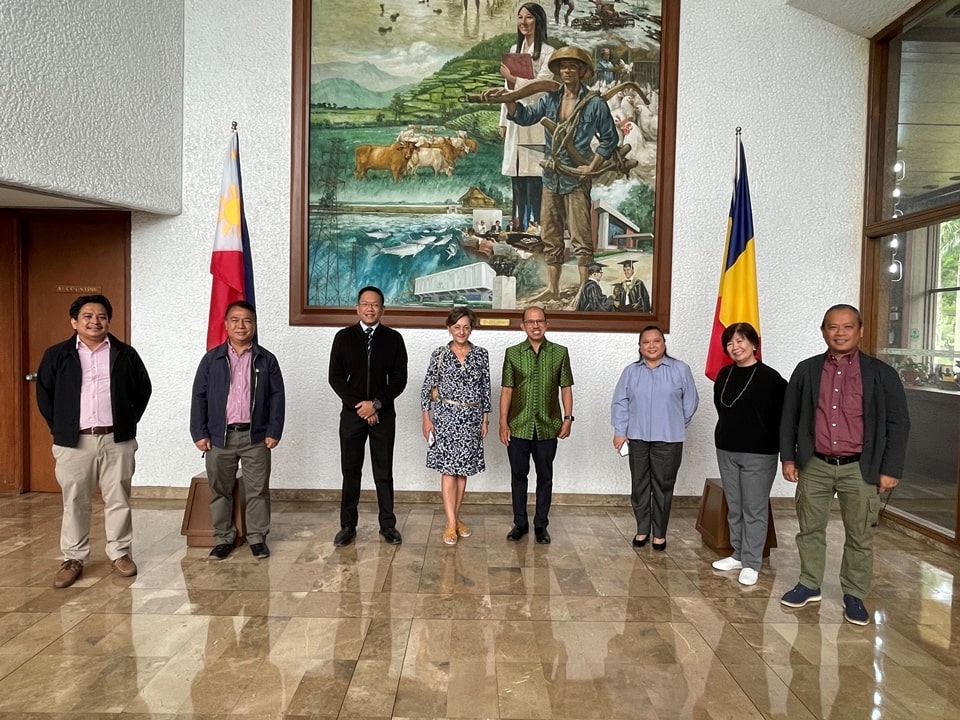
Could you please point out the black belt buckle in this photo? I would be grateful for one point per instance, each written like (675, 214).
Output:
(239, 427)
(838, 460)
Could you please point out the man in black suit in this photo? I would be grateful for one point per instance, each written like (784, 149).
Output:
(843, 432)
(368, 370)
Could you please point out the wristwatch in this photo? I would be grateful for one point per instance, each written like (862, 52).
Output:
(377, 404)
(568, 417)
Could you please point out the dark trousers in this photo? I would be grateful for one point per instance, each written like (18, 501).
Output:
(519, 452)
(653, 472)
(354, 432)
(527, 192)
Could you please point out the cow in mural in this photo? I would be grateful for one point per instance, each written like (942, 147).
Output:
(393, 157)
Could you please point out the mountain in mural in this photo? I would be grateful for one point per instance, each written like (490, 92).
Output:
(365, 74)
(347, 93)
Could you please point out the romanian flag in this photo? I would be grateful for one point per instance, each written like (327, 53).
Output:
(231, 264)
(737, 298)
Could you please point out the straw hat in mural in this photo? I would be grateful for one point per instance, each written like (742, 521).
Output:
(572, 53)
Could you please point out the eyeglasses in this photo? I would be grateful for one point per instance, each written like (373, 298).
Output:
(373, 305)
(534, 322)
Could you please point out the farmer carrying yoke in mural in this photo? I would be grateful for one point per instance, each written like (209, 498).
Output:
(573, 116)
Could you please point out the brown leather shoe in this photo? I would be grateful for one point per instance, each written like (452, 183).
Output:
(68, 573)
(124, 566)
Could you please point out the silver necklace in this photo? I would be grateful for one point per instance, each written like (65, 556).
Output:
(725, 382)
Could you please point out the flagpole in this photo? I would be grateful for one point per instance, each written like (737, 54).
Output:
(736, 160)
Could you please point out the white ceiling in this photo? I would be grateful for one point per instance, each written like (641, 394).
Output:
(861, 17)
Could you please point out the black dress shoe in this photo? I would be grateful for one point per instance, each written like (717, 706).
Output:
(392, 536)
(260, 551)
(221, 551)
(517, 532)
(345, 536)
(543, 537)
(659, 546)
(640, 543)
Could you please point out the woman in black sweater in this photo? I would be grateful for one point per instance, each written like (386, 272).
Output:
(749, 399)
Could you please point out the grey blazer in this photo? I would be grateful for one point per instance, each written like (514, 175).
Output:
(886, 422)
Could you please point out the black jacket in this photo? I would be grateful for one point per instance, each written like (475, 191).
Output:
(387, 372)
(58, 390)
(886, 422)
(211, 386)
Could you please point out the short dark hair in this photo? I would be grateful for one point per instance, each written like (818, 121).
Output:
(373, 289)
(648, 328)
(533, 307)
(461, 312)
(243, 305)
(86, 299)
(841, 306)
(746, 330)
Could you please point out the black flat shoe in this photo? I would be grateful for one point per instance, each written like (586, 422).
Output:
(516, 533)
(659, 546)
(221, 551)
(260, 551)
(392, 536)
(543, 537)
(345, 536)
(640, 543)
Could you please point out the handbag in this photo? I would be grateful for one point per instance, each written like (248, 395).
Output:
(435, 390)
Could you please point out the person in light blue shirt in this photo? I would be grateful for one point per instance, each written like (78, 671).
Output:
(653, 403)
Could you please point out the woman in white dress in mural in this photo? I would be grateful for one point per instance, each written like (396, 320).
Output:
(523, 146)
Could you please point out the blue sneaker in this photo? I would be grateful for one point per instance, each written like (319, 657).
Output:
(854, 611)
(800, 596)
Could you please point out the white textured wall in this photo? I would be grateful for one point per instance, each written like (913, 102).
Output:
(795, 84)
(90, 99)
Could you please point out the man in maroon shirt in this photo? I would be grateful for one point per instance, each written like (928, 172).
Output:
(844, 431)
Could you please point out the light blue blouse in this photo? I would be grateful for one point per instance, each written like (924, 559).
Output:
(654, 404)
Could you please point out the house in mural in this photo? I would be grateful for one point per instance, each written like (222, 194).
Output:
(476, 198)
(614, 231)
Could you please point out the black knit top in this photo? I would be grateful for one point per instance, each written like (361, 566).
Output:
(749, 401)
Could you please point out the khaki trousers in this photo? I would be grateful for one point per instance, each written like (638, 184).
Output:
(96, 459)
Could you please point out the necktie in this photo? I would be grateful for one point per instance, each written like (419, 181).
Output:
(369, 332)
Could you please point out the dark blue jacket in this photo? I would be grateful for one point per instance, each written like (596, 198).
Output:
(208, 410)
(58, 390)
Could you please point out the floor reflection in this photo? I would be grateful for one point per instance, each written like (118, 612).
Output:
(586, 627)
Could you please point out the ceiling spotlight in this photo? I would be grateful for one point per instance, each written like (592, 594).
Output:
(896, 192)
(895, 242)
(900, 169)
(897, 213)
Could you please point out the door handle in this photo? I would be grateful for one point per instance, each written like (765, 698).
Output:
(31, 377)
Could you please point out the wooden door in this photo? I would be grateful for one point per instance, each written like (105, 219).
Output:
(65, 255)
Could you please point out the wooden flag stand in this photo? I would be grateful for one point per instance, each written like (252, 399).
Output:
(197, 524)
(712, 520)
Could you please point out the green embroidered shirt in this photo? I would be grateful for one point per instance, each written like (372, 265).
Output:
(536, 379)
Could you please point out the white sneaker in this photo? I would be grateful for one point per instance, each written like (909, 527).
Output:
(748, 576)
(727, 563)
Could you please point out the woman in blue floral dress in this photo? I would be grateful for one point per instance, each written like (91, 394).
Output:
(460, 372)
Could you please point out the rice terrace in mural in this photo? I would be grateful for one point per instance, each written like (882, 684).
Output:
(420, 184)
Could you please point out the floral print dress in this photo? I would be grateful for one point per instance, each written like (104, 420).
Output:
(458, 414)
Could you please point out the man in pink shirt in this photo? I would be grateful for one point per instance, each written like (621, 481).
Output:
(92, 390)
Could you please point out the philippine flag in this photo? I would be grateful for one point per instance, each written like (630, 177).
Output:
(737, 298)
(231, 263)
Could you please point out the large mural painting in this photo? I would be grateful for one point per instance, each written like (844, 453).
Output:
(483, 152)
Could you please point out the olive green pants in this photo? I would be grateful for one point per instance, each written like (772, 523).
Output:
(859, 510)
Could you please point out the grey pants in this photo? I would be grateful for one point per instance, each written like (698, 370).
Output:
(222, 463)
(747, 479)
(653, 473)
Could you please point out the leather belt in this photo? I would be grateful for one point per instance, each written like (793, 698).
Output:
(455, 403)
(838, 459)
(97, 430)
(239, 427)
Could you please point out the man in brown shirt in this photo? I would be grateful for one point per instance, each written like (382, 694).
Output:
(844, 431)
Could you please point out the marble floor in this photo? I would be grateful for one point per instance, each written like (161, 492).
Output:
(587, 627)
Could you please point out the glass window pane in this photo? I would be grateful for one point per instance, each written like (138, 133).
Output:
(922, 149)
(919, 287)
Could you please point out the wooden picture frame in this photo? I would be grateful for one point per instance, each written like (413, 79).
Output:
(342, 310)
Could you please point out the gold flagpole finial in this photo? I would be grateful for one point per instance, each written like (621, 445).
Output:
(233, 127)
